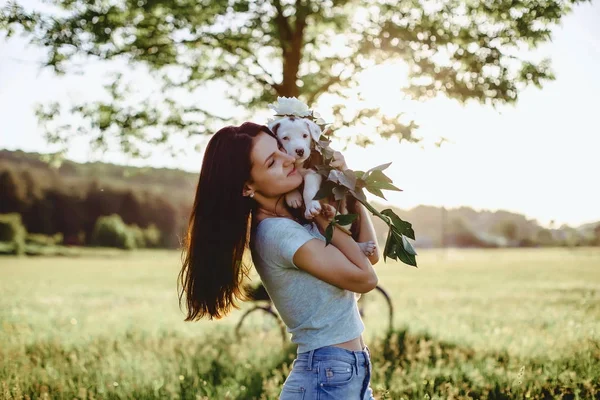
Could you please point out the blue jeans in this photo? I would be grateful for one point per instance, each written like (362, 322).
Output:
(329, 373)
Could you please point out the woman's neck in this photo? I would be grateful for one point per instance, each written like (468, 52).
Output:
(276, 209)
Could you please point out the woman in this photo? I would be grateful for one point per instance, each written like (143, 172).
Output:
(244, 177)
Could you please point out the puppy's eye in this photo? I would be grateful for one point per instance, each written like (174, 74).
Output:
(305, 136)
(286, 138)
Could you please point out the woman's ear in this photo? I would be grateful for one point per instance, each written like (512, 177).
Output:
(248, 190)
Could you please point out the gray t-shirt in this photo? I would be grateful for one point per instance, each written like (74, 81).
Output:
(315, 312)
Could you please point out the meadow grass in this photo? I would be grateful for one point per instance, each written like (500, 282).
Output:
(489, 324)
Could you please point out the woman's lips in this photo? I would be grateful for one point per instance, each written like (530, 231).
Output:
(292, 171)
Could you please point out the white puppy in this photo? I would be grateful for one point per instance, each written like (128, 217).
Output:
(297, 135)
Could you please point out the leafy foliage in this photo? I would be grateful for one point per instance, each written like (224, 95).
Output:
(339, 183)
(264, 49)
(110, 231)
(12, 233)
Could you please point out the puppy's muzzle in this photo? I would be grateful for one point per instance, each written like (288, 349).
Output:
(300, 152)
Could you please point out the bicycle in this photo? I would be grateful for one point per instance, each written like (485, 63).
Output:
(262, 327)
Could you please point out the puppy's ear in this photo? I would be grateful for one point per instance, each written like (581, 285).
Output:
(315, 131)
(274, 126)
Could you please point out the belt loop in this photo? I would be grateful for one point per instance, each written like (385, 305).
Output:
(355, 361)
(310, 359)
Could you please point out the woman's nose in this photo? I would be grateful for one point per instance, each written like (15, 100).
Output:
(288, 159)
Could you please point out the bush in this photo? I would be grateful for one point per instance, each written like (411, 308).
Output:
(13, 232)
(44, 240)
(111, 231)
(138, 236)
(528, 242)
(152, 236)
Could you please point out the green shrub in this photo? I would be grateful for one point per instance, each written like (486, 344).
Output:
(138, 236)
(7, 248)
(152, 236)
(44, 240)
(13, 232)
(111, 231)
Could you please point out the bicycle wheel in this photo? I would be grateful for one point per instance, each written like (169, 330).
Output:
(261, 324)
(376, 308)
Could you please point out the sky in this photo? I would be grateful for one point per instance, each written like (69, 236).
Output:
(539, 158)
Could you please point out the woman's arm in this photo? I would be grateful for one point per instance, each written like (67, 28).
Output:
(367, 230)
(343, 264)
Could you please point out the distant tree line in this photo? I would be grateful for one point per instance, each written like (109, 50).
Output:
(65, 205)
(50, 205)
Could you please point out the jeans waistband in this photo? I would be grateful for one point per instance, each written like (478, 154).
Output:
(359, 357)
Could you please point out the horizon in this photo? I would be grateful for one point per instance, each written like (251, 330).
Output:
(515, 159)
(372, 199)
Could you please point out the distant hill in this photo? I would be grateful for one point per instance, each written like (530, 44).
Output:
(429, 226)
(461, 226)
(176, 182)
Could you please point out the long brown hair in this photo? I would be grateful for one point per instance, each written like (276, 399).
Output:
(219, 226)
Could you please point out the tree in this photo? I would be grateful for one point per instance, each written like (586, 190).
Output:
(264, 49)
(545, 238)
(597, 235)
(508, 230)
(12, 192)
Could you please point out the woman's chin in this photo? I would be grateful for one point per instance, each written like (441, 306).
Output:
(296, 178)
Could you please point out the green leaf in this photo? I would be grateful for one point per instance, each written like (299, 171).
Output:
(328, 233)
(401, 252)
(323, 170)
(324, 142)
(345, 219)
(405, 257)
(359, 195)
(407, 246)
(403, 227)
(325, 190)
(359, 174)
(325, 150)
(339, 192)
(377, 175)
(343, 178)
(377, 168)
(375, 191)
(390, 247)
(382, 185)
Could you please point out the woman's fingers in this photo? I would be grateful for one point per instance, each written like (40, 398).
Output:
(328, 211)
(338, 160)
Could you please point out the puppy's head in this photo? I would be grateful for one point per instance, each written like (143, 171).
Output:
(296, 135)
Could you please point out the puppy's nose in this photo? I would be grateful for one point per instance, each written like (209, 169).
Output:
(300, 152)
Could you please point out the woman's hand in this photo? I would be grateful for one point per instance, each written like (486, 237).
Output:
(326, 215)
(338, 161)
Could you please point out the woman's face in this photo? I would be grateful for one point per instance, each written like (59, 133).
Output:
(272, 172)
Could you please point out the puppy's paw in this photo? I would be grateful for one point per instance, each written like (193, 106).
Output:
(294, 199)
(368, 248)
(313, 208)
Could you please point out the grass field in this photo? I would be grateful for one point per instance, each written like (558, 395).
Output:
(497, 324)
